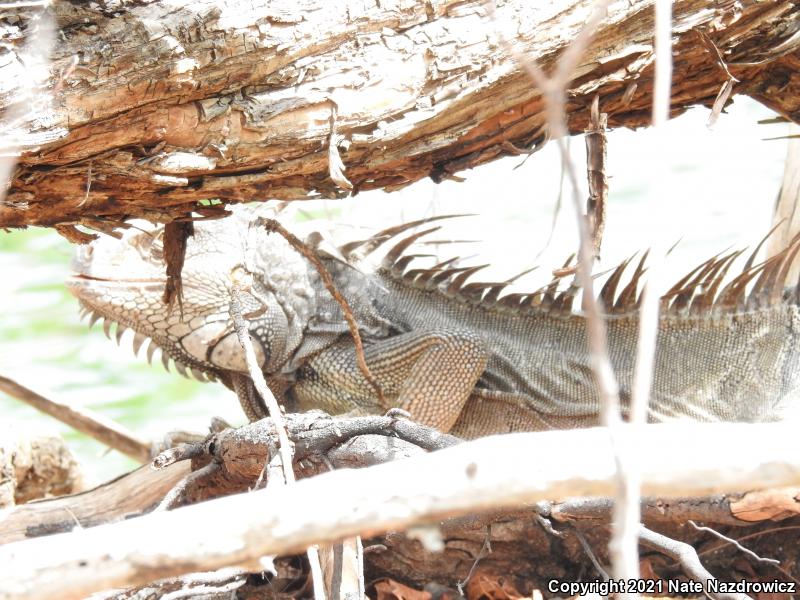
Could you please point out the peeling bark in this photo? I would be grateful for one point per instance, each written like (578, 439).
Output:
(156, 106)
(36, 468)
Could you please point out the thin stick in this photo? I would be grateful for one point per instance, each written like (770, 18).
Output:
(596, 144)
(630, 517)
(687, 557)
(183, 451)
(733, 542)
(96, 426)
(241, 326)
(755, 535)
(555, 96)
(751, 536)
(590, 553)
(648, 320)
(486, 549)
(623, 546)
(273, 225)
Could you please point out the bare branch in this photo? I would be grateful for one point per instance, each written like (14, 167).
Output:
(733, 542)
(470, 477)
(596, 144)
(623, 545)
(96, 426)
(687, 557)
(284, 446)
(133, 494)
(183, 451)
(254, 369)
(327, 280)
(627, 513)
(713, 509)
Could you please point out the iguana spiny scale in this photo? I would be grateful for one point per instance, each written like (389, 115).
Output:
(455, 353)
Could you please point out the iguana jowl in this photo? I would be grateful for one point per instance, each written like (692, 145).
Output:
(452, 352)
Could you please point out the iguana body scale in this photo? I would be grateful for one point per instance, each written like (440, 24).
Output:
(455, 353)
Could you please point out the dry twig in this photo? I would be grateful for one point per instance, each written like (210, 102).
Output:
(687, 557)
(623, 545)
(590, 553)
(241, 327)
(178, 453)
(627, 515)
(733, 542)
(486, 548)
(727, 87)
(273, 226)
(96, 426)
(284, 446)
(596, 144)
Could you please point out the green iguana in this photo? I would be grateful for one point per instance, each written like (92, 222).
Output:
(454, 353)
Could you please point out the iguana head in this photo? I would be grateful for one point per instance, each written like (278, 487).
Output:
(123, 280)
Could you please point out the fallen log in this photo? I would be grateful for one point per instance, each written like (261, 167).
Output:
(147, 110)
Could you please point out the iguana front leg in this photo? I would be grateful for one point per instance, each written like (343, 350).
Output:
(251, 403)
(429, 374)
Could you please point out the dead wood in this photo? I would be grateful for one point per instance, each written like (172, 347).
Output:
(133, 494)
(596, 155)
(475, 476)
(39, 467)
(687, 557)
(286, 580)
(94, 425)
(149, 110)
(720, 509)
(175, 236)
(271, 225)
(241, 454)
(774, 504)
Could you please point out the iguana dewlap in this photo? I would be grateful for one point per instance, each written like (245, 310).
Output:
(454, 353)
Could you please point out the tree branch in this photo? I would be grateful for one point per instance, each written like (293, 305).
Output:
(234, 101)
(96, 426)
(470, 477)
